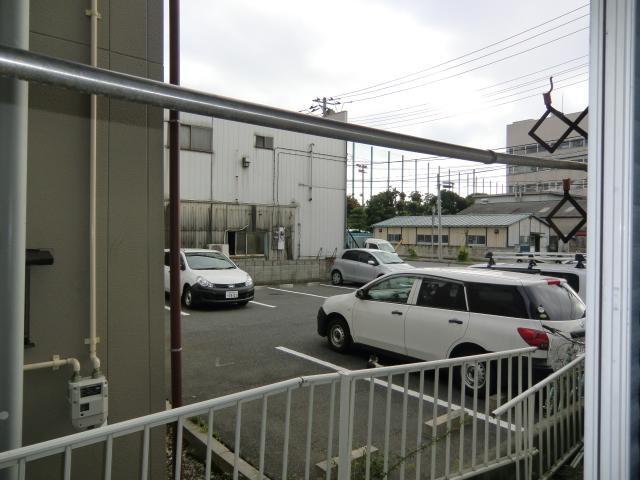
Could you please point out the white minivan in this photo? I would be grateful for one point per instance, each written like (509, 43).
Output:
(438, 313)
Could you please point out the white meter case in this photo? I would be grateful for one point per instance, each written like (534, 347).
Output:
(89, 399)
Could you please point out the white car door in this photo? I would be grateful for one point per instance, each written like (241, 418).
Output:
(379, 317)
(437, 320)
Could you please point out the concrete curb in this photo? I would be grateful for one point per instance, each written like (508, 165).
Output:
(221, 456)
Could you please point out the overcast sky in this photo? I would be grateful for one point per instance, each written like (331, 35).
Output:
(285, 53)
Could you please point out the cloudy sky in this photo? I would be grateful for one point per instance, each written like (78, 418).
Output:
(456, 71)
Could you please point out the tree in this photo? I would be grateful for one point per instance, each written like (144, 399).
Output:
(356, 216)
(452, 203)
(382, 206)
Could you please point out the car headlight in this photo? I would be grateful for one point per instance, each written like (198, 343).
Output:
(249, 282)
(203, 282)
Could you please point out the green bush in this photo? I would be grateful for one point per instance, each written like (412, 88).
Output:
(463, 254)
(412, 253)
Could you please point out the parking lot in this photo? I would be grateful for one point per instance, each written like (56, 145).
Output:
(274, 338)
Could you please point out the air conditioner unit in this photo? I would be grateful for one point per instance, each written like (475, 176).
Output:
(221, 247)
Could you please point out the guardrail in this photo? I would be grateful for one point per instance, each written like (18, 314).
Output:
(549, 420)
(318, 416)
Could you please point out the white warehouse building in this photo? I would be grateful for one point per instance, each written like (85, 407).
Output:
(261, 191)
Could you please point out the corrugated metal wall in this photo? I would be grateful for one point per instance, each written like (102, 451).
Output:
(285, 186)
(203, 223)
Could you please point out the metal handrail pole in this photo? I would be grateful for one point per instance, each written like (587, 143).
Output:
(63, 73)
(14, 29)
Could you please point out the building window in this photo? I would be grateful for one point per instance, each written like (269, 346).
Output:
(423, 238)
(394, 237)
(264, 142)
(198, 139)
(476, 240)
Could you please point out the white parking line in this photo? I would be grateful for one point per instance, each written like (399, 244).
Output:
(166, 307)
(337, 286)
(299, 293)
(396, 388)
(262, 304)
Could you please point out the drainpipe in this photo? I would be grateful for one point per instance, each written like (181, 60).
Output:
(14, 32)
(311, 171)
(174, 209)
(55, 363)
(93, 156)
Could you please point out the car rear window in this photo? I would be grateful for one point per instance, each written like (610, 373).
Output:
(490, 299)
(572, 279)
(554, 302)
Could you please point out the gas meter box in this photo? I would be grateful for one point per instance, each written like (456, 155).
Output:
(89, 399)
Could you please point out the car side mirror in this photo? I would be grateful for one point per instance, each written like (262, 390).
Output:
(361, 294)
(372, 262)
(182, 267)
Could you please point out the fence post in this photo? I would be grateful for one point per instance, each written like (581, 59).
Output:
(344, 449)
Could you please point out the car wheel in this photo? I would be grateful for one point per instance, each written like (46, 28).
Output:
(467, 373)
(336, 277)
(338, 335)
(187, 297)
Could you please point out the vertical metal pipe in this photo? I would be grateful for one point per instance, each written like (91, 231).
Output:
(353, 169)
(14, 32)
(174, 208)
(371, 175)
(388, 169)
(439, 219)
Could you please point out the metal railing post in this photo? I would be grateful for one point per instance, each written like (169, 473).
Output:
(344, 449)
(14, 31)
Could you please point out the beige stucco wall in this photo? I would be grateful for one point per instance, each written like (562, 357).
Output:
(130, 230)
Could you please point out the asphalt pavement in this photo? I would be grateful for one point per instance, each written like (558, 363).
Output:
(231, 349)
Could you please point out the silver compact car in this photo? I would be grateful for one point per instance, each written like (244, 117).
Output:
(361, 265)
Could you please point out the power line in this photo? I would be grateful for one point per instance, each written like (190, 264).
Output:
(465, 55)
(463, 63)
(472, 111)
(409, 115)
(469, 70)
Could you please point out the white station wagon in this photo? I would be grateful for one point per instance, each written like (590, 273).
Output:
(438, 313)
(209, 277)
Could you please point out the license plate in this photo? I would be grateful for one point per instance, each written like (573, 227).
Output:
(232, 294)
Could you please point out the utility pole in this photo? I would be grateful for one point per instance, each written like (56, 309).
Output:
(439, 219)
(433, 222)
(388, 169)
(415, 175)
(353, 169)
(371, 175)
(321, 104)
(402, 175)
(474, 180)
(428, 177)
(361, 169)
(468, 193)
(459, 185)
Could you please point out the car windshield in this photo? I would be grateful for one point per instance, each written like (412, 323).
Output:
(208, 261)
(555, 301)
(386, 247)
(386, 257)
